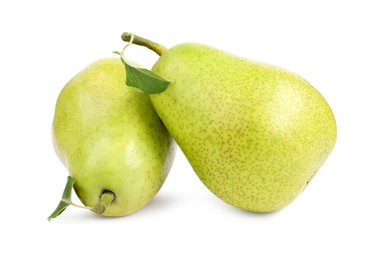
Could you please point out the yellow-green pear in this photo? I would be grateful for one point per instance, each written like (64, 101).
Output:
(255, 134)
(109, 137)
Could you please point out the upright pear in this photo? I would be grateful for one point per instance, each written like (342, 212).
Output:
(109, 137)
(255, 134)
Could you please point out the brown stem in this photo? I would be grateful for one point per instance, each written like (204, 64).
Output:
(159, 49)
(106, 199)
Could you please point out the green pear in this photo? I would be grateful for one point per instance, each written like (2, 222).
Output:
(255, 134)
(109, 137)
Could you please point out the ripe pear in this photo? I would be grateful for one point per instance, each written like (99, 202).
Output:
(255, 134)
(111, 140)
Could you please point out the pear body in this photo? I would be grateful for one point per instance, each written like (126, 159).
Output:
(255, 134)
(110, 139)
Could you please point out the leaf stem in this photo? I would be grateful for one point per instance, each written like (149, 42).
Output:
(74, 204)
(153, 46)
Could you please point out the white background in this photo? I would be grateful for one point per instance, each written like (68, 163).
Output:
(336, 45)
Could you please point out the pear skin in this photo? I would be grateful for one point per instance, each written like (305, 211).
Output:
(255, 134)
(110, 139)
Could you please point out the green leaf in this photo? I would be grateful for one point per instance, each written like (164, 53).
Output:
(64, 200)
(143, 79)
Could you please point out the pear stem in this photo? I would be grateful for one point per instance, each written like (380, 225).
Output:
(106, 199)
(153, 46)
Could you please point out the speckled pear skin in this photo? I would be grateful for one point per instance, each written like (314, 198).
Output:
(255, 134)
(110, 138)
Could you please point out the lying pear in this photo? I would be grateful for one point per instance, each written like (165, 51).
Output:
(255, 134)
(109, 137)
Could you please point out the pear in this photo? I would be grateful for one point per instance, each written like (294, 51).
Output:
(255, 134)
(109, 137)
